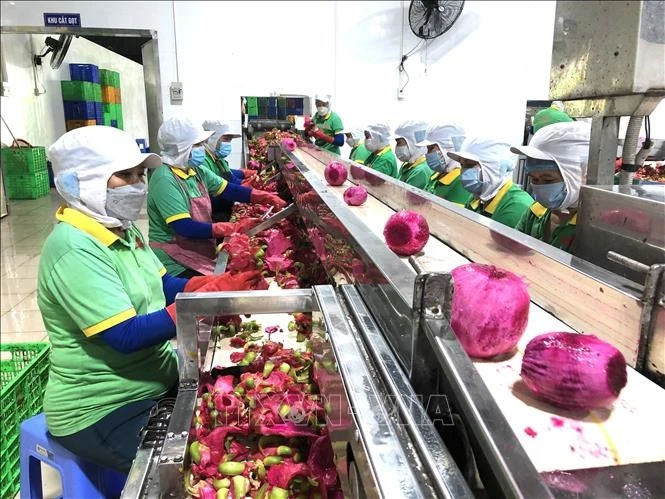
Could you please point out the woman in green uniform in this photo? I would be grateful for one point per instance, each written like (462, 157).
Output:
(326, 127)
(414, 170)
(106, 300)
(556, 160)
(381, 158)
(355, 140)
(486, 171)
(445, 181)
(181, 231)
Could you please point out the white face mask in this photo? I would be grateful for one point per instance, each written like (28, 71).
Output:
(322, 110)
(125, 203)
(352, 142)
(402, 153)
(372, 144)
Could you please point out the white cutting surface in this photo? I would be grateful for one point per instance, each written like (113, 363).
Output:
(629, 432)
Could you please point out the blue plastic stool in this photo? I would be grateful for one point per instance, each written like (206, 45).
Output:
(80, 479)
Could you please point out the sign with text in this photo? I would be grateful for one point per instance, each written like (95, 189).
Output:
(63, 20)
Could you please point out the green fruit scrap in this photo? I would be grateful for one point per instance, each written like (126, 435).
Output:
(267, 369)
(270, 460)
(278, 493)
(284, 450)
(195, 451)
(285, 368)
(297, 457)
(231, 468)
(249, 383)
(260, 469)
(300, 337)
(240, 486)
(292, 326)
(239, 390)
(222, 493)
(284, 410)
(223, 483)
(261, 494)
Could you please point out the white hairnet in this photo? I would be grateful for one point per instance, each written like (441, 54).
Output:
(495, 159)
(567, 144)
(413, 132)
(323, 97)
(218, 129)
(356, 133)
(445, 136)
(176, 137)
(83, 161)
(381, 132)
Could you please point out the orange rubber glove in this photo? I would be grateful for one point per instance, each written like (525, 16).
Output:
(223, 229)
(263, 197)
(242, 281)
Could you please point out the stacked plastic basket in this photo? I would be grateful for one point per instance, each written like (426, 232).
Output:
(92, 97)
(25, 171)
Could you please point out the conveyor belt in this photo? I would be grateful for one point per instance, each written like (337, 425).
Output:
(554, 440)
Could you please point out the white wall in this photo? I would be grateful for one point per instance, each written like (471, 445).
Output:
(480, 73)
(40, 118)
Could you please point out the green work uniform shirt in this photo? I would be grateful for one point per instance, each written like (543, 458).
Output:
(449, 186)
(416, 174)
(89, 281)
(535, 223)
(216, 165)
(331, 125)
(359, 153)
(507, 207)
(383, 161)
(168, 202)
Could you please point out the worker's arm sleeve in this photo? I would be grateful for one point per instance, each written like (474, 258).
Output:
(141, 331)
(168, 199)
(172, 286)
(339, 140)
(421, 179)
(87, 286)
(236, 192)
(237, 176)
(189, 228)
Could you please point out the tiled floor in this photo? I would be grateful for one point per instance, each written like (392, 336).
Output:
(22, 234)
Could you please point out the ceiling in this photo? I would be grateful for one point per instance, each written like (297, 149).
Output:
(126, 46)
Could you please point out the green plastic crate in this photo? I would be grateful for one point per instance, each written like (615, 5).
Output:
(121, 124)
(77, 91)
(114, 79)
(23, 376)
(252, 102)
(104, 77)
(107, 119)
(27, 186)
(97, 89)
(21, 160)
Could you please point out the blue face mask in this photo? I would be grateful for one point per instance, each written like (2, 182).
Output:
(550, 195)
(224, 149)
(436, 161)
(198, 156)
(470, 179)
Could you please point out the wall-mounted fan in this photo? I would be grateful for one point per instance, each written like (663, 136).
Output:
(431, 18)
(57, 48)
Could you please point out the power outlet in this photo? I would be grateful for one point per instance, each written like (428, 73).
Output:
(177, 93)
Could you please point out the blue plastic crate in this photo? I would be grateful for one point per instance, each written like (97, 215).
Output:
(80, 110)
(99, 112)
(281, 114)
(84, 72)
(299, 111)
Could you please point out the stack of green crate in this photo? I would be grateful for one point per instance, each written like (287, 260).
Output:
(111, 98)
(23, 376)
(252, 107)
(26, 174)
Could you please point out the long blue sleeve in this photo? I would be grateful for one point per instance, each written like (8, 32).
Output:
(139, 332)
(172, 286)
(186, 227)
(339, 140)
(237, 176)
(235, 192)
